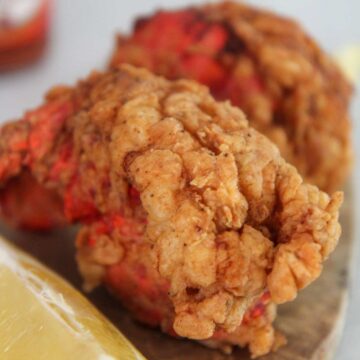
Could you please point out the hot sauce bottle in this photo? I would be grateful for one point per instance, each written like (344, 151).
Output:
(24, 28)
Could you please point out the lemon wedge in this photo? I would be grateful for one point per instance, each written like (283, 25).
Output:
(349, 60)
(43, 317)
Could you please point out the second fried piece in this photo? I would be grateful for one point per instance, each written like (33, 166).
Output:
(266, 64)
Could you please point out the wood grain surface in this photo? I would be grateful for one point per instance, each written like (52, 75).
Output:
(313, 323)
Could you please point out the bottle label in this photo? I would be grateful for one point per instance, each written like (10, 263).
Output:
(14, 13)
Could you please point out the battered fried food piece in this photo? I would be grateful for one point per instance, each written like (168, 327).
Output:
(159, 170)
(290, 90)
(144, 292)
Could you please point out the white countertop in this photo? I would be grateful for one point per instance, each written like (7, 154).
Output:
(82, 38)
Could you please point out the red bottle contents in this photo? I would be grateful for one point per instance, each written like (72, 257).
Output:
(23, 31)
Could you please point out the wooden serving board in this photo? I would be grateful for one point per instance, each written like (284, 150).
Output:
(313, 323)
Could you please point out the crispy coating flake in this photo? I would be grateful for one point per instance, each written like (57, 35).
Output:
(28, 205)
(290, 90)
(224, 216)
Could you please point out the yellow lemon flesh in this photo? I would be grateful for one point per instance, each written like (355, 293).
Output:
(349, 61)
(43, 317)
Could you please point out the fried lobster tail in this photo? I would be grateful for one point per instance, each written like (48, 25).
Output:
(189, 215)
(290, 90)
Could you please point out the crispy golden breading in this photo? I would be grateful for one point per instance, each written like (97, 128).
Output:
(128, 272)
(289, 88)
(216, 193)
(224, 216)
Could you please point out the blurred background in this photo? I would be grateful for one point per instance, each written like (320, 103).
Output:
(81, 38)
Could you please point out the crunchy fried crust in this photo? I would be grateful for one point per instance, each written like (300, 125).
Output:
(225, 217)
(290, 90)
(142, 290)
